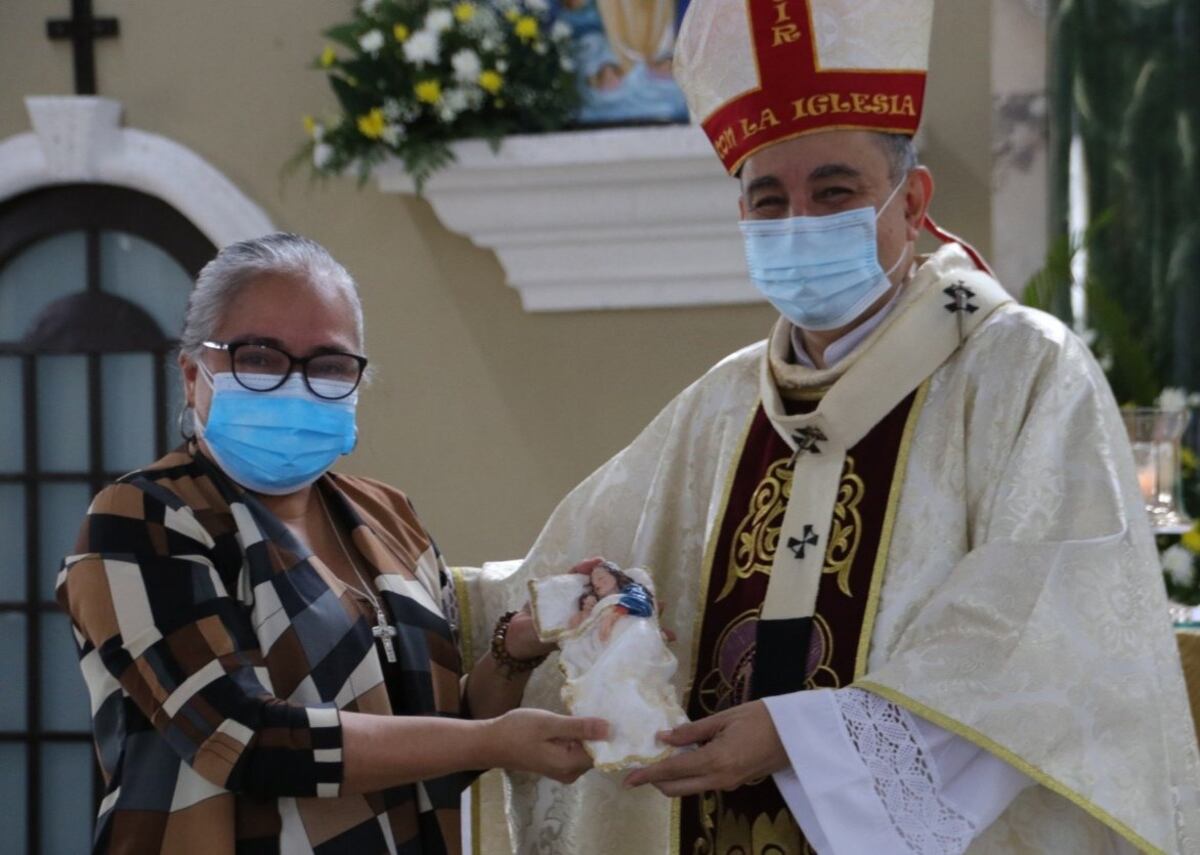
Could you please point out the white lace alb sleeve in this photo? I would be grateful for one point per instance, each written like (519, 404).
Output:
(867, 774)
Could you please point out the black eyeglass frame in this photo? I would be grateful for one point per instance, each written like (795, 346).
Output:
(232, 347)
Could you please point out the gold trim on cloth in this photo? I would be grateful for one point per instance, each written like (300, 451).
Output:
(464, 616)
(466, 640)
(976, 738)
(757, 537)
(885, 534)
(846, 534)
(710, 552)
(476, 818)
(711, 549)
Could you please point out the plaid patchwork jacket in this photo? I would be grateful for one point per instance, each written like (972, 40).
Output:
(218, 652)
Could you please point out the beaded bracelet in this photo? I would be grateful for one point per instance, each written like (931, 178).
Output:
(509, 664)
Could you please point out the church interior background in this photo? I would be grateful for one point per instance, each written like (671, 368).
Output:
(520, 335)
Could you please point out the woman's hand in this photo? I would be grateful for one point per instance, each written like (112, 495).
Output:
(529, 740)
(522, 640)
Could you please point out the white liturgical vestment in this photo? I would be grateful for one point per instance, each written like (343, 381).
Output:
(1019, 623)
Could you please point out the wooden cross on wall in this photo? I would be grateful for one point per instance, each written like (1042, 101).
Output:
(83, 28)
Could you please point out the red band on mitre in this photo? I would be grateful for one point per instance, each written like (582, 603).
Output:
(796, 97)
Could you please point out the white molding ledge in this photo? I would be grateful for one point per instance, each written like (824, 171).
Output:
(608, 219)
(80, 139)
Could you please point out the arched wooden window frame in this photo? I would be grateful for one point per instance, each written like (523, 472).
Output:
(123, 327)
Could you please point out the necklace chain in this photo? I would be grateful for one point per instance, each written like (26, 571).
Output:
(383, 631)
(371, 598)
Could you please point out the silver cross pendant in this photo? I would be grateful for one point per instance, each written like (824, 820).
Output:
(385, 632)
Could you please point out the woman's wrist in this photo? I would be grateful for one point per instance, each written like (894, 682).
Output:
(522, 641)
(488, 746)
(515, 645)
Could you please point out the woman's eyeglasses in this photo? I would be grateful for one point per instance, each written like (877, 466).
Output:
(263, 368)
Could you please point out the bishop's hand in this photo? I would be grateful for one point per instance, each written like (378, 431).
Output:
(734, 747)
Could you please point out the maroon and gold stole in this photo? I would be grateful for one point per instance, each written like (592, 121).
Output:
(754, 819)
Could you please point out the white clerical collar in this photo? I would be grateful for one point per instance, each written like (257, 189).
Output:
(837, 350)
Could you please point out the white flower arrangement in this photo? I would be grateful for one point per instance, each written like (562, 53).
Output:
(467, 66)
(1173, 400)
(412, 76)
(1179, 564)
(371, 41)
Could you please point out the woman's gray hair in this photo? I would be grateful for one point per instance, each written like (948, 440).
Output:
(239, 263)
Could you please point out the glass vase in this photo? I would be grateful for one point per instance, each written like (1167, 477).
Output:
(1157, 439)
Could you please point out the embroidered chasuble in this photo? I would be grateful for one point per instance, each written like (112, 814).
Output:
(754, 818)
(1003, 585)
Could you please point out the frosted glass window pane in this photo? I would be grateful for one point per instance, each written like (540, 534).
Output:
(175, 401)
(50, 269)
(145, 275)
(12, 412)
(62, 508)
(12, 796)
(66, 793)
(65, 704)
(62, 413)
(12, 674)
(12, 536)
(127, 390)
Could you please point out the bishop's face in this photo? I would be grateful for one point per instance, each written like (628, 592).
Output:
(834, 171)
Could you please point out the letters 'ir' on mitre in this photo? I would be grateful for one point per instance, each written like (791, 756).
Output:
(756, 72)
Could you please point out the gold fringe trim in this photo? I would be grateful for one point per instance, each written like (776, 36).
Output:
(976, 738)
(476, 817)
(466, 640)
(676, 825)
(889, 525)
(465, 633)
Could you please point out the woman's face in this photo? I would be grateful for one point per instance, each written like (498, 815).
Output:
(280, 311)
(604, 582)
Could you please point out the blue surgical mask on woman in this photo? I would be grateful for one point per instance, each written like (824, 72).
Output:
(278, 441)
(819, 272)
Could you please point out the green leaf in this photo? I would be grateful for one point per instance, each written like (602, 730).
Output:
(345, 34)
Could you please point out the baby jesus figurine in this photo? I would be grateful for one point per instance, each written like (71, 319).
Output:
(605, 581)
(615, 660)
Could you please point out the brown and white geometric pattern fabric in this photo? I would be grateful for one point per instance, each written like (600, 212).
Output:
(218, 653)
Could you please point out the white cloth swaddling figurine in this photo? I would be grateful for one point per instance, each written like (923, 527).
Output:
(615, 661)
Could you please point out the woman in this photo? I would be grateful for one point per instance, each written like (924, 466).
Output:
(266, 643)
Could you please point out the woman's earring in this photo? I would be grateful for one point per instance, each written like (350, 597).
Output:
(188, 432)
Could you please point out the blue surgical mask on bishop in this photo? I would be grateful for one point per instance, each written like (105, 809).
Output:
(821, 273)
(279, 441)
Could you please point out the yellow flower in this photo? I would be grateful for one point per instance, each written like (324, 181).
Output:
(511, 15)
(328, 56)
(1192, 540)
(310, 125)
(491, 81)
(464, 12)
(526, 28)
(428, 91)
(400, 32)
(371, 125)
